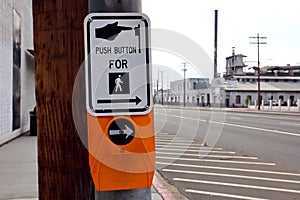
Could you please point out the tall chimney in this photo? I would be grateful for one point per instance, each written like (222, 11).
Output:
(216, 45)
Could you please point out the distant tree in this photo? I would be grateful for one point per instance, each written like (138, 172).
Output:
(247, 102)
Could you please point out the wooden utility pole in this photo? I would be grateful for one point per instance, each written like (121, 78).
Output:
(258, 65)
(63, 169)
(184, 82)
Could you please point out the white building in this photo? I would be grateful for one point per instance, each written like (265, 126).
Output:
(279, 84)
(284, 88)
(276, 83)
(193, 91)
(17, 82)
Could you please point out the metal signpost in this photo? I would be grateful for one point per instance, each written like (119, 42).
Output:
(119, 104)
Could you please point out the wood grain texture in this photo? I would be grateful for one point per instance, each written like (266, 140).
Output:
(59, 51)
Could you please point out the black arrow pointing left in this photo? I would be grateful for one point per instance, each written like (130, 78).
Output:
(137, 100)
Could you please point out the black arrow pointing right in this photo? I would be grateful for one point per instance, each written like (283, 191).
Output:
(137, 100)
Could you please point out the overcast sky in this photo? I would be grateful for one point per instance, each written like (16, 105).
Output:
(279, 21)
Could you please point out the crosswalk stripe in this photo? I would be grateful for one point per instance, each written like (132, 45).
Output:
(217, 161)
(171, 145)
(229, 169)
(173, 140)
(207, 156)
(190, 143)
(232, 176)
(223, 195)
(194, 150)
(161, 133)
(237, 185)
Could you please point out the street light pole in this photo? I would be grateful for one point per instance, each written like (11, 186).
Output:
(157, 96)
(168, 90)
(184, 70)
(198, 87)
(258, 65)
(162, 87)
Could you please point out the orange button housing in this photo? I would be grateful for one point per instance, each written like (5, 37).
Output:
(121, 167)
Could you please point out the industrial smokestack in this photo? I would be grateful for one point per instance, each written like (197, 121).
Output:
(216, 45)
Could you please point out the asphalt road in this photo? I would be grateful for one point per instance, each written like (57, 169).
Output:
(248, 155)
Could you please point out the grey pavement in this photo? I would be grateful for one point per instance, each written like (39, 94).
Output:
(18, 170)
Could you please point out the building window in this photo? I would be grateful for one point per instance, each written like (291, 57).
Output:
(215, 99)
(281, 97)
(238, 99)
(249, 98)
(16, 95)
(292, 98)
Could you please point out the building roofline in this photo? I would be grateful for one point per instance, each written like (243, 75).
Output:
(236, 56)
(269, 77)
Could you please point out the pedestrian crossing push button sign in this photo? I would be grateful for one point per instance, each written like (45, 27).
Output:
(117, 64)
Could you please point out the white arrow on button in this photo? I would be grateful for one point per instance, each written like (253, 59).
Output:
(127, 131)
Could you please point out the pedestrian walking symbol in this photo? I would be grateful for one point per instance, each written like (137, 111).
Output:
(119, 83)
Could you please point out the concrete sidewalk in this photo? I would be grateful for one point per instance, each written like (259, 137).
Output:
(18, 170)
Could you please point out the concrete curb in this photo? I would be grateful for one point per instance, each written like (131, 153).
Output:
(166, 191)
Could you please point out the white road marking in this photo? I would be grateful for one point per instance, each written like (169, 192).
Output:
(294, 124)
(243, 126)
(232, 176)
(187, 147)
(252, 115)
(230, 169)
(265, 117)
(158, 148)
(162, 133)
(237, 185)
(167, 135)
(261, 129)
(179, 143)
(207, 156)
(223, 195)
(172, 140)
(217, 161)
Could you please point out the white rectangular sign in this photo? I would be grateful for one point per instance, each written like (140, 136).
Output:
(117, 64)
